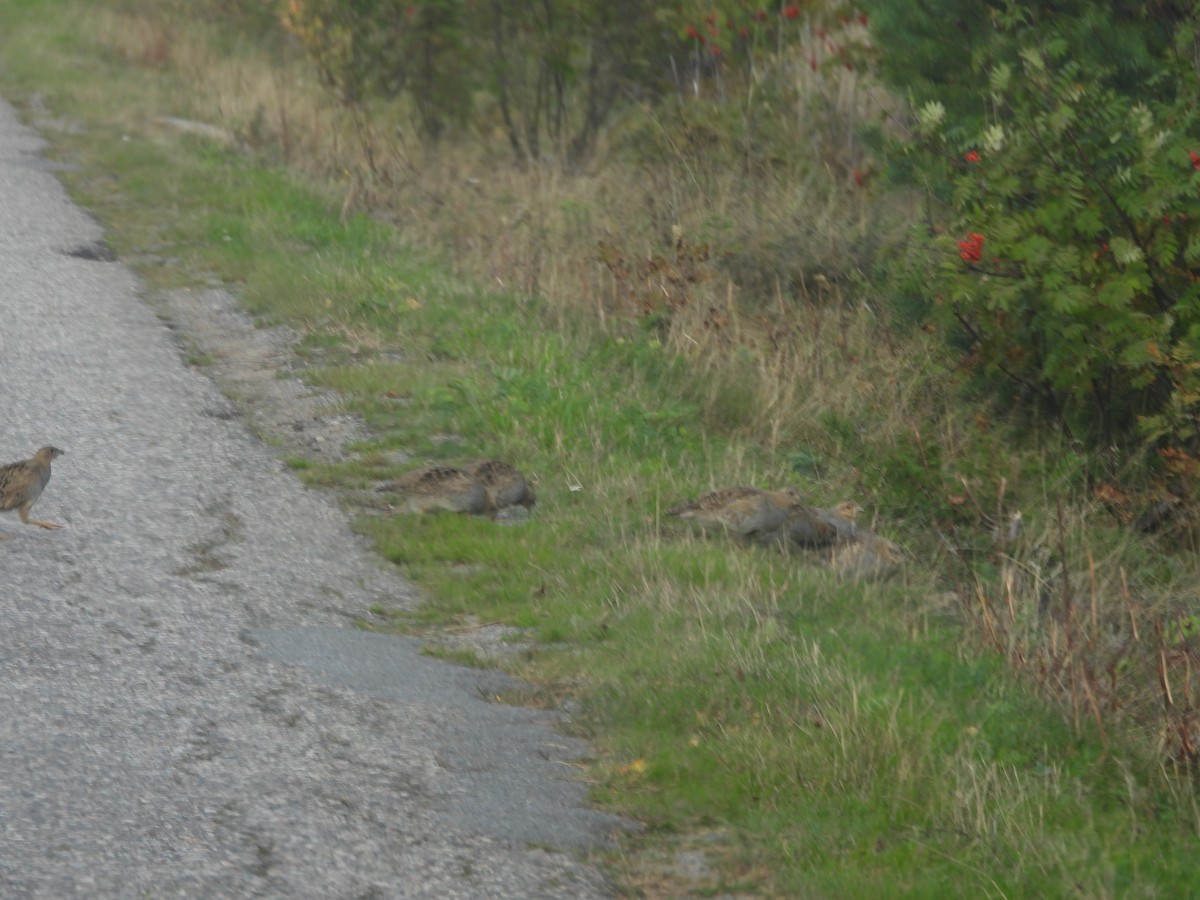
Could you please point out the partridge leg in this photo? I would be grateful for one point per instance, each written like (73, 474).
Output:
(49, 526)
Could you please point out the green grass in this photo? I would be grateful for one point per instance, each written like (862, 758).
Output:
(841, 740)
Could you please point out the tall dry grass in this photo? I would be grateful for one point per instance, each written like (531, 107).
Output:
(773, 214)
(773, 299)
(1056, 601)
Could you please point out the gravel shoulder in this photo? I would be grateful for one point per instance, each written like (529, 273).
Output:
(187, 706)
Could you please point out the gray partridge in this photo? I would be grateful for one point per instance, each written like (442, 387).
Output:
(440, 488)
(743, 511)
(21, 483)
(810, 526)
(505, 486)
(869, 556)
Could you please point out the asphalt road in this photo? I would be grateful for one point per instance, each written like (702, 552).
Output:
(186, 708)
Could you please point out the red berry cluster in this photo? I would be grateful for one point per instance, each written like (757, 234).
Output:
(971, 250)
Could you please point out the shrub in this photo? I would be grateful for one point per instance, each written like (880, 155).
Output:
(552, 71)
(1065, 232)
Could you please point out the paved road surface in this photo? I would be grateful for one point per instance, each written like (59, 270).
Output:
(185, 706)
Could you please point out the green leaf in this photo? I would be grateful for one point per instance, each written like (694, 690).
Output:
(1036, 249)
(1125, 251)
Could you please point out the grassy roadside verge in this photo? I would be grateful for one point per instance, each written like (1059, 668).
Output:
(812, 737)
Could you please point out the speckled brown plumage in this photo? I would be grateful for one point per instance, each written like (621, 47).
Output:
(505, 485)
(21, 483)
(440, 488)
(811, 526)
(742, 511)
(868, 556)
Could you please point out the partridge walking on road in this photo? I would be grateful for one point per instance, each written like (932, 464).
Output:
(21, 483)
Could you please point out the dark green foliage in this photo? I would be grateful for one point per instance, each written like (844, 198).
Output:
(928, 45)
(936, 49)
(1065, 245)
